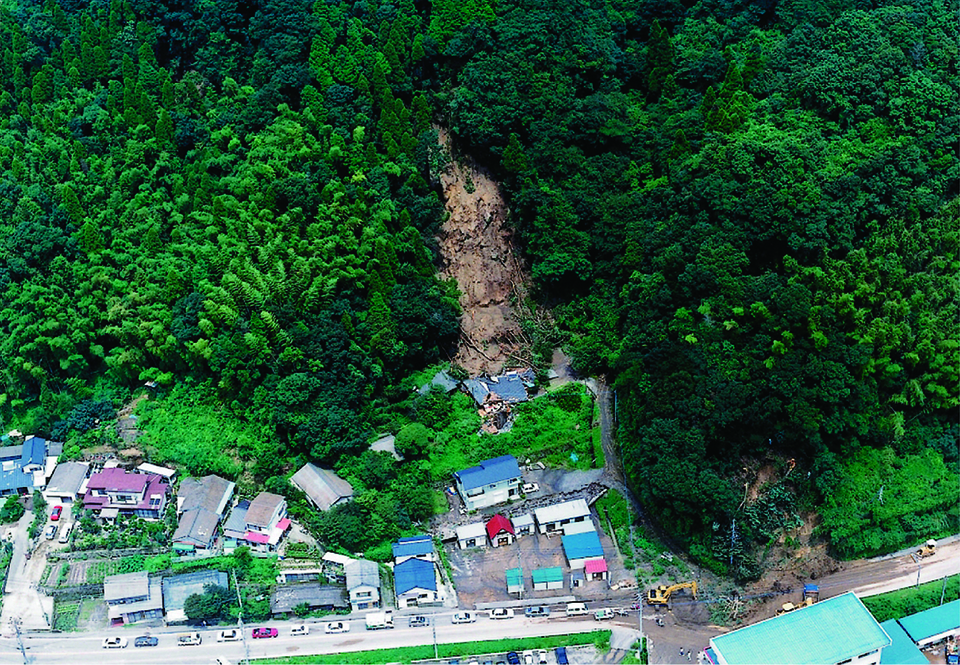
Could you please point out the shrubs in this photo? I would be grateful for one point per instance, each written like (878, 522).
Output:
(12, 510)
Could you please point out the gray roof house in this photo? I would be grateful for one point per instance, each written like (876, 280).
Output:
(323, 487)
(66, 484)
(316, 596)
(132, 597)
(511, 387)
(363, 584)
(200, 504)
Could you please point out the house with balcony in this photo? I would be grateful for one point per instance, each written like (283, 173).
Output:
(416, 583)
(491, 482)
(264, 522)
(114, 491)
(363, 584)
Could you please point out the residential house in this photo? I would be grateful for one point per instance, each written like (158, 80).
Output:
(67, 483)
(363, 584)
(235, 527)
(833, 631)
(510, 387)
(523, 525)
(333, 566)
(442, 381)
(265, 522)
(324, 488)
(177, 588)
(545, 579)
(116, 491)
(287, 598)
(132, 597)
(414, 547)
(22, 466)
(580, 548)
(500, 531)
(491, 482)
(302, 574)
(558, 516)
(201, 503)
(472, 535)
(167, 474)
(415, 581)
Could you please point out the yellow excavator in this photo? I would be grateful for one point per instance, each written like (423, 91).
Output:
(811, 594)
(661, 595)
(929, 548)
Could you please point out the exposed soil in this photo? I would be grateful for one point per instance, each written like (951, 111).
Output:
(476, 248)
(127, 428)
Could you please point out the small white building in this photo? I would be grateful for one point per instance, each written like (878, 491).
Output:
(67, 484)
(558, 516)
(363, 584)
(472, 535)
(523, 525)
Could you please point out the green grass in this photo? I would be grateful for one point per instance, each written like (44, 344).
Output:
(904, 602)
(600, 638)
(87, 608)
(101, 569)
(65, 616)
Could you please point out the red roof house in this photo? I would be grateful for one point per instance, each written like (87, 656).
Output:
(500, 531)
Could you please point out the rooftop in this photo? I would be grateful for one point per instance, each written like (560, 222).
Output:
(211, 492)
(414, 574)
(236, 524)
(324, 487)
(197, 527)
(903, 651)
(510, 386)
(314, 594)
(68, 478)
(582, 545)
(118, 480)
(936, 620)
(497, 524)
(177, 588)
(413, 546)
(595, 566)
(562, 511)
(128, 585)
(515, 576)
(146, 467)
(262, 508)
(830, 631)
(362, 572)
(544, 575)
(468, 531)
(489, 472)
(442, 380)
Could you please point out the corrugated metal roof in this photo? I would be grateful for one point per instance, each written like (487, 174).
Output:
(128, 585)
(829, 632)
(287, 596)
(362, 572)
(903, 651)
(414, 574)
(262, 508)
(932, 622)
(489, 472)
(562, 511)
(595, 566)
(34, 450)
(515, 576)
(468, 531)
(210, 492)
(68, 478)
(323, 486)
(582, 545)
(413, 546)
(197, 527)
(544, 575)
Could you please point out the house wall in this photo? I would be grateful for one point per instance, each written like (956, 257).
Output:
(557, 525)
(416, 597)
(577, 564)
(501, 536)
(469, 543)
(489, 495)
(431, 557)
(360, 602)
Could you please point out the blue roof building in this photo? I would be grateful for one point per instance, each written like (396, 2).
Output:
(20, 463)
(934, 624)
(413, 547)
(837, 630)
(902, 651)
(415, 582)
(490, 482)
(581, 547)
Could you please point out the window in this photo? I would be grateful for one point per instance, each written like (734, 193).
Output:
(475, 492)
(494, 486)
(364, 594)
(125, 498)
(155, 501)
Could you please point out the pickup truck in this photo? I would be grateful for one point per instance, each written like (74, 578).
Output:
(377, 620)
(188, 639)
(600, 615)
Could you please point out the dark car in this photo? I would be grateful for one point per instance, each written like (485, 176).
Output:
(55, 515)
(259, 633)
(513, 658)
(537, 611)
(561, 655)
(145, 641)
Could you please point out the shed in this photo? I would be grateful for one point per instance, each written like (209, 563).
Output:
(933, 625)
(500, 531)
(515, 580)
(903, 651)
(324, 488)
(559, 515)
(577, 579)
(547, 578)
(162, 471)
(472, 535)
(66, 483)
(596, 569)
(523, 525)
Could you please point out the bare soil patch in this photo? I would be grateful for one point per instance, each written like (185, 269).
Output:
(477, 250)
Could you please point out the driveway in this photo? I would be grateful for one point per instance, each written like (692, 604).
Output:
(21, 598)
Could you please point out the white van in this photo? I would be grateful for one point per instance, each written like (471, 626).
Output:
(188, 639)
(65, 534)
(576, 609)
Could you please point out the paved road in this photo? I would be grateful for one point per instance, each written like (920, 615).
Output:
(77, 649)
(21, 598)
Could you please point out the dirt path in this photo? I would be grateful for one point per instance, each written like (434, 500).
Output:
(476, 247)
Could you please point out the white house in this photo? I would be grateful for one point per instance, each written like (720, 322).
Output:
(415, 581)
(67, 483)
(265, 521)
(558, 516)
(472, 535)
(363, 584)
(523, 525)
(491, 482)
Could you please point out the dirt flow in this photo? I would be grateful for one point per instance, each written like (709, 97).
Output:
(476, 248)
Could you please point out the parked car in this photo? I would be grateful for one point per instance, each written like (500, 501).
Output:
(600, 615)
(464, 617)
(114, 642)
(561, 655)
(419, 621)
(232, 635)
(501, 613)
(513, 658)
(55, 515)
(542, 656)
(530, 488)
(261, 633)
(528, 658)
(302, 629)
(336, 627)
(50, 532)
(145, 641)
(537, 611)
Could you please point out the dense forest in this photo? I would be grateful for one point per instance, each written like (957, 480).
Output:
(744, 214)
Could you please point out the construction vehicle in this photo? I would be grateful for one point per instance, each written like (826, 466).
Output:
(661, 595)
(811, 594)
(929, 548)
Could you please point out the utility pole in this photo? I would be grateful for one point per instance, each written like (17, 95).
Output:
(918, 572)
(520, 568)
(243, 635)
(943, 590)
(433, 624)
(16, 626)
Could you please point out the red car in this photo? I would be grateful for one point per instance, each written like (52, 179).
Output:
(264, 632)
(55, 515)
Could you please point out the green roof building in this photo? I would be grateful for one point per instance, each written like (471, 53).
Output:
(903, 651)
(547, 578)
(838, 630)
(515, 580)
(933, 625)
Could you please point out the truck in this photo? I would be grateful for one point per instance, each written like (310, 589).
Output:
(378, 620)
(188, 639)
(811, 594)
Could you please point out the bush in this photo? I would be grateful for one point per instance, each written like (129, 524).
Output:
(904, 602)
(12, 510)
